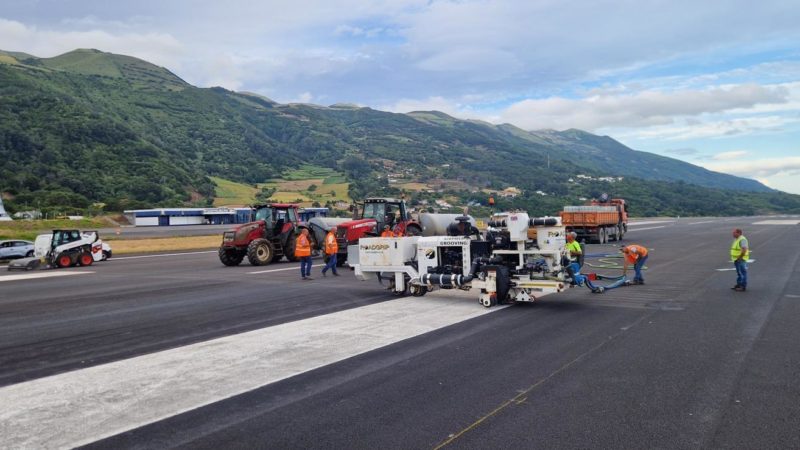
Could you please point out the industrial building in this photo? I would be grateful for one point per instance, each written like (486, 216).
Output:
(188, 216)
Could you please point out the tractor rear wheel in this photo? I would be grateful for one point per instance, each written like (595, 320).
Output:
(260, 252)
(230, 256)
(288, 249)
(63, 260)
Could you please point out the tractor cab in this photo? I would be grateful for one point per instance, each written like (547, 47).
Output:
(385, 211)
(278, 218)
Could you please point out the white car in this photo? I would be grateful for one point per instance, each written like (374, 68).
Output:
(16, 249)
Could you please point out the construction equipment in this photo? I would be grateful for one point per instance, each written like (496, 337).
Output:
(601, 220)
(375, 213)
(62, 248)
(504, 266)
(271, 236)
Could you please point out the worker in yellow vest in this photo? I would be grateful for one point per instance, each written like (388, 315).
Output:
(636, 255)
(574, 251)
(302, 250)
(331, 250)
(740, 253)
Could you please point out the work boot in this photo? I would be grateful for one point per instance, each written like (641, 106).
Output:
(305, 278)
(736, 287)
(323, 274)
(335, 274)
(309, 278)
(740, 289)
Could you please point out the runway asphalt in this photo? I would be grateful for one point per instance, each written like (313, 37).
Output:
(165, 351)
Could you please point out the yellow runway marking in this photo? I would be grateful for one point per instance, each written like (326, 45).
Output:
(522, 396)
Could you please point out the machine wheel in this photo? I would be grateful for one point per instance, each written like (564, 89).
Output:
(260, 252)
(417, 290)
(63, 260)
(341, 261)
(230, 256)
(489, 302)
(602, 237)
(85, 259)
(413, 230)
(29, 254)
(106, 255)
(288, 250)
(392, 286)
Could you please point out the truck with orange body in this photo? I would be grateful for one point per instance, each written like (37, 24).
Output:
(600, 220)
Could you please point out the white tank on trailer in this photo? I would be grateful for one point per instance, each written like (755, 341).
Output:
(436, 224)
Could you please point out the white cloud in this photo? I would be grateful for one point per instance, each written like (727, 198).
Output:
(778, 173)
(725, 156)
(159, 48)
(640, 109)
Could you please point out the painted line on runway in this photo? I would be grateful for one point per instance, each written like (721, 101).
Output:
(778, 222)
(275, 270)
(698, 223)
(649, 222)
(80, 407)
(734, 268)
(117, 258)
(31, 276)
(648, 228)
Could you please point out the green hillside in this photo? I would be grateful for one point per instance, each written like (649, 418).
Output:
(89, 127)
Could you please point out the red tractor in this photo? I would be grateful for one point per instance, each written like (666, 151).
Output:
(375, 213)
(269, 237)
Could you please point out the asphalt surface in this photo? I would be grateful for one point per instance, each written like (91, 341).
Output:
(681, 362)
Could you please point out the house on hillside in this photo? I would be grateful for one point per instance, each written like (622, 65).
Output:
(510, 192)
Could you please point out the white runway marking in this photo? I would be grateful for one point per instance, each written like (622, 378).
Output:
(49, 274)
(276, 270)
(648, 228)
(734, 268)
(778, 222)
(698, 223)
(80, 407)
(117, 258)
(649, 222)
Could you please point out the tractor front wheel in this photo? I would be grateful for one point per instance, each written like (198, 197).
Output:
(230, 256)
(413, 230)
(260, 252)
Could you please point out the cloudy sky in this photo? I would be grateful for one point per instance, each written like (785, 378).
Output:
(714, 83)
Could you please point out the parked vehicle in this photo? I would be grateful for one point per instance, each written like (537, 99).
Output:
(62, 248)
(16, 249)
(375, 213)
(270, 237)
(601, 220)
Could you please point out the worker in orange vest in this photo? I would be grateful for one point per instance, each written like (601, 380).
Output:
(636, 255)
(302, 250)
(331, 249)
(387, 232)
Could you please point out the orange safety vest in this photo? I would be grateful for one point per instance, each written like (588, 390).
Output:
(635, 252)
(303, 247)
(331, 246)
(387, 233)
